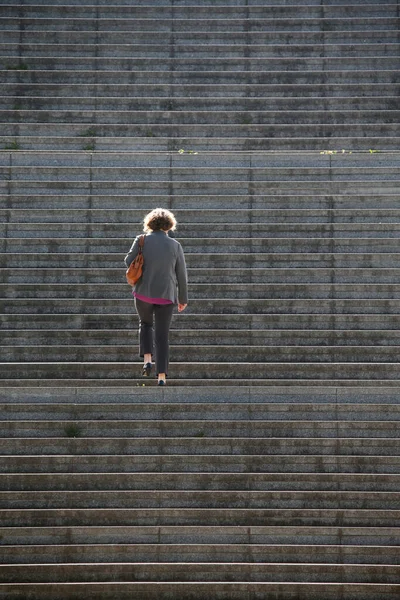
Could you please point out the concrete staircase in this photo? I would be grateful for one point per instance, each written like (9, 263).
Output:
(269, 467)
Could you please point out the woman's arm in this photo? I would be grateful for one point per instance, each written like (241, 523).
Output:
(133, 252)
(181, 276)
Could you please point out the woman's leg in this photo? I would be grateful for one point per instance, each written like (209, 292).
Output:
(163, 318)
(145, 312)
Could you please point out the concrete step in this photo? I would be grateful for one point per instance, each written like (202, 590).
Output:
(252, 252)
(192, 591)
(202, 482)
(66, 208)
(272, 325)
(175, 164)
(78, 252)
(258, 395)
(208, 293)
(181, 411)
(240, 291)
(282, 306)
(191, 105)
(354, 250)
(234, 337)
(197, 65)
(188, 161)
(180, 119)
(197, 428)
(15, 284)
(362, 41)
(187, 516)
(373, 185)
(219, 21)
(194, 235)
(12, 73)
(83, 44)
(192, 218)
(198, 464)
(228, 572)
(164, 14)
(149, 144)
(201, 447)
(326, 89)
(62, 284)
(199, 174)
(195, 238)
(17, 124)
(175, 384)
(48, 282)
(279, 19)
(342, 372)
(373, 536)
(222, 354)
(215, 3)
(193, 499)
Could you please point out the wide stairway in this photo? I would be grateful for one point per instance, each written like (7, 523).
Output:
(269, 466)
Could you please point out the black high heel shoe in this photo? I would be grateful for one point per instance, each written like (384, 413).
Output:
(146, 370)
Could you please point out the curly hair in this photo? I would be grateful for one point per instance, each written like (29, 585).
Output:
(159, 218)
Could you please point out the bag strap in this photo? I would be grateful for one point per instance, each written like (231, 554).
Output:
(141, 244)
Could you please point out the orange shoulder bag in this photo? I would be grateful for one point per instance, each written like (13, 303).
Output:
(135, 269)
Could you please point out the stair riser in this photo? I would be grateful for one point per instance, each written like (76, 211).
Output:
(206, 371)
(194, 234)
(194, 591)
(18, 125)
(178, 64)
(76, 102)
(272, 22)
(183, 411)
(218, 187)
(195, 517)
(199, 499)
(257, 175)
(181, 12)
(170, 91)
(264, 120)
(225, 395)
(221, 144)
(210, 572)
(224, 355)
(20, 284)
(250, 222)
(64, 208)
(204, 482)
(185, 337)
(249, 253)
(197, 464)
(173, 165)
(200, 307)
(209, 292)
(17, 285)
(75, 44)
(221, 322)
(198, 428)
(200, 447)
(214, 535)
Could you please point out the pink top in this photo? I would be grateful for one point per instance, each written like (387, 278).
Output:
(152, 300)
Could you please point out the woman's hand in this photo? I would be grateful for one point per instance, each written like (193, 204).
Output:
(181, 307)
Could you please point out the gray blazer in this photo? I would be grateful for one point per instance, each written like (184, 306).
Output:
(164, 268)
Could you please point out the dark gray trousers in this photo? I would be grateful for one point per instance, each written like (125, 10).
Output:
(161, 314)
